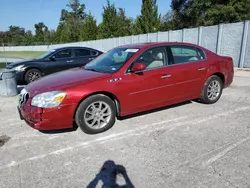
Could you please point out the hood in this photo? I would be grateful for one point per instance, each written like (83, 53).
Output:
(17, 63)
(64, 79)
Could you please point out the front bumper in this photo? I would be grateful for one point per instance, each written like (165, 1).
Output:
(48, 119)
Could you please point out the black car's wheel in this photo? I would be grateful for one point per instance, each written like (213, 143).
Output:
(212, 90)
(96, 114)
(32, 75)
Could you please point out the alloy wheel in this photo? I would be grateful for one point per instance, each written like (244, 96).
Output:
(33, 76)
(213, 91)
(97, 115)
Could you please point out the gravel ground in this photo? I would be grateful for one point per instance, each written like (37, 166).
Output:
(187, 145)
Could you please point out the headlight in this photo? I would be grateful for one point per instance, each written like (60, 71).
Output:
(48, 99)
(19, 68)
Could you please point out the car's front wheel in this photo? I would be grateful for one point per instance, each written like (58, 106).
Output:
(212, 90)
(31, 75)
(96, 114)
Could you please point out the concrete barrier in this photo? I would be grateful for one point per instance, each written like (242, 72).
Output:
(225, 39)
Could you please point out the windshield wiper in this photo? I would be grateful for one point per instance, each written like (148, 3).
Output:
(94, 70)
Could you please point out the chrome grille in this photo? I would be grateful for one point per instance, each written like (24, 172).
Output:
(23, 97)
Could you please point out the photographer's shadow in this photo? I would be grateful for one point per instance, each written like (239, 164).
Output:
(108, 176)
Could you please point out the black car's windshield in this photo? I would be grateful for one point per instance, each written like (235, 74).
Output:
(112, 60)
(45, 54)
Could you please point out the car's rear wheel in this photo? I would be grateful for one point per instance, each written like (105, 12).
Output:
(212, 90)
(32, 75)
(96, 114)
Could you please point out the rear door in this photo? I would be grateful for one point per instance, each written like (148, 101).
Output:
(189, 67)
(83, 56)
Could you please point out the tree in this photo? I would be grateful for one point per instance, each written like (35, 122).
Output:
(29, 38)
(5, 37)
(149, 20)
(71, 20)
(137, 29)
(194, 13)
(227, 11)
(62, 33)
(109, 25)
(16, 35)
(89, 28)
(40, 30)
(124, 24)
(167, 22)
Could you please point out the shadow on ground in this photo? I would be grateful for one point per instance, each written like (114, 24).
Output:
(75, 127)
(3, 140)
(155, 110)
(108, 176)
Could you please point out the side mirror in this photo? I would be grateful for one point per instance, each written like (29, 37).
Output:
(137, 67)
(53, 58)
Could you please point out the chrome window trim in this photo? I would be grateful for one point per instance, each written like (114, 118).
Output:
(168, 45)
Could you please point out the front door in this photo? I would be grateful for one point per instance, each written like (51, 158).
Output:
(61, 61)
(149, 88)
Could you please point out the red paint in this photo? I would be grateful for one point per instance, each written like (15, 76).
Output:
(134, 92)
(138, 67)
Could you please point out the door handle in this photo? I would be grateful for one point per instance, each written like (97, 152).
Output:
(202, 69)
(69, 61)
(166, 76)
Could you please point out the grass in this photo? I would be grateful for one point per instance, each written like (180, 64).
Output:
(21, 54)
(2, 65)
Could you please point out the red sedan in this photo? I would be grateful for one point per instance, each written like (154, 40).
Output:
(125, 80)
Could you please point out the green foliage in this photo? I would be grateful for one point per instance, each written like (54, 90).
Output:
(41, 32)
(76, 25)
(115, 22)
(109, 26)
(166, 22)
(194, 13)
(149, 20)
(71, 21)
(125, 25)
(21, 54)
(89, 29)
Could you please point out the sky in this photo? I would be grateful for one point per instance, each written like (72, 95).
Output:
(25, 13)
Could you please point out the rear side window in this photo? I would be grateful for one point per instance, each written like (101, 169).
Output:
(94, 53)
(185, 54)
(82, 52)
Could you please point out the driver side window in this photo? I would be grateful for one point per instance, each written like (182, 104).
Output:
(154, 58)
(63, 54)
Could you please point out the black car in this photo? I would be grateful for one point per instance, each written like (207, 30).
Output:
(52, 61)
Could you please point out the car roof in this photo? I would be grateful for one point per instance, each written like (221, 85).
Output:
(152, 44)
(67, 47)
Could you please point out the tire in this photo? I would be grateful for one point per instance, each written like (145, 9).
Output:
(207, 91)
(27, 77)
(84, 119)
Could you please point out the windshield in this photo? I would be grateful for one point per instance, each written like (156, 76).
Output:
(45, 54)
(111, 61)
